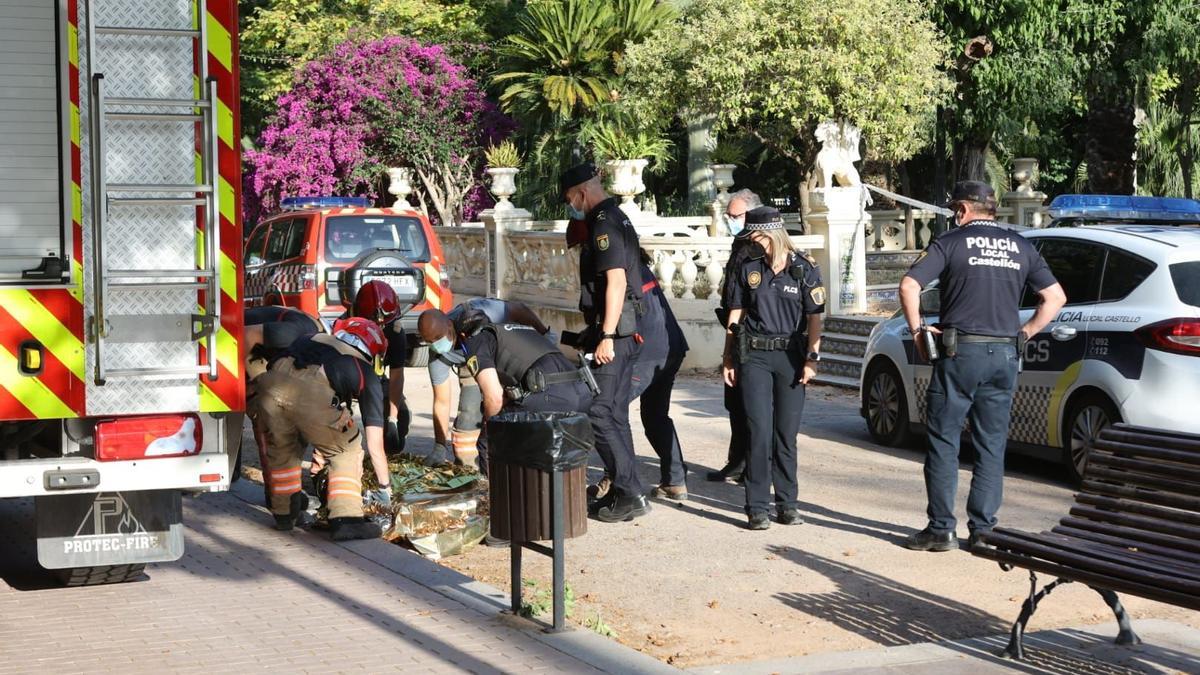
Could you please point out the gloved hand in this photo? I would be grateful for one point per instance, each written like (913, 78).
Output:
(381, 497)
(440, 456)
(395, 431)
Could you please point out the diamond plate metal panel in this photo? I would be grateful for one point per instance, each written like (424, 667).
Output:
(151, 152)
(142, 237)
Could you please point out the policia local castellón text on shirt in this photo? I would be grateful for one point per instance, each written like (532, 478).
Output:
(983, 269)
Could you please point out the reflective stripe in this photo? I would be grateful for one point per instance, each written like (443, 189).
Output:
(285, 488)
(284, 473)
(30, 391)
(220, 42)
(45, 327)
(354, 494)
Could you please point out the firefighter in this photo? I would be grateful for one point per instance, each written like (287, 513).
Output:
(438, 330)
(270, 329)
(775, 305)
(307, 392)
(377, 301)
(611, 302)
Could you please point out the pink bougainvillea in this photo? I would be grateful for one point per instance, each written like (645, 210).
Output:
(370, 105)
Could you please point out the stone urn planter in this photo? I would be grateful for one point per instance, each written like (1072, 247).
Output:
(627, 181)
(722, 179)
(504, 185)
(1024, 172)
(400, 186)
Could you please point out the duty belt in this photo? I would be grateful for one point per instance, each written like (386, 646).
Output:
(770, 344)
(990, 339)
(536, 382)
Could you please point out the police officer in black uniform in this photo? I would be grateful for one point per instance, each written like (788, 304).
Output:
(611, 300)
(982, 270)
(775, 305)
(516, 368)
(740, 203)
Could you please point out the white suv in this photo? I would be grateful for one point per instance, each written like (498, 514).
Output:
(1126, 347)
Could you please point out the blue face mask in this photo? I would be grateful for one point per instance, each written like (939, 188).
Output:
(735, 225)
(441, 346)
(574, 213)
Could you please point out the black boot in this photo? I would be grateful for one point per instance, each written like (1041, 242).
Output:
(929, 540)
(623, 508)
(297, 513)
(345, 529)
(730, 472)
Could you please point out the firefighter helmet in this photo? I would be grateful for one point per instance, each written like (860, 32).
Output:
(363, 334)
(377, 301)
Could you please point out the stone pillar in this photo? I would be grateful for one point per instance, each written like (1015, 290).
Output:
(497, 223)
(700, 139)
(1025, 201)
(838, 215)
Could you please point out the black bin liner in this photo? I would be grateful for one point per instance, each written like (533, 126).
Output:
(547, 441)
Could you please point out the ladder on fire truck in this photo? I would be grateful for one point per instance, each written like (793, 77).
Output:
(200, 115)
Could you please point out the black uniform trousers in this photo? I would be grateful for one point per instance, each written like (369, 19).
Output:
(565, 397)
(774, 401)
(609, 414)
(739, 429)
(656, 381)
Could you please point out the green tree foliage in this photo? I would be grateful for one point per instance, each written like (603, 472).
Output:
(1020, 62)
(567, 56)
(1169, 61)
(774, 69)
(279, 36)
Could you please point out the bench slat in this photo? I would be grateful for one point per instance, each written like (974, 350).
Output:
(1120, 555)
(1185, 457)
(1144, 466)
(1006, 539)
(1134, 520)
(1175, 515)
(1164, 540)
(1128, 543)
(1174, 439)
(1189, 601)
(1142, 495)
(1133, 479)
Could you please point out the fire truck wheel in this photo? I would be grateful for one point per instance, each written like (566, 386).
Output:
(104, 574)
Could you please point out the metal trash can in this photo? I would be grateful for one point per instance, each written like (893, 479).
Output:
(537, 473)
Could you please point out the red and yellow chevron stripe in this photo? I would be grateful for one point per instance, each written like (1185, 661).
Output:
(228, 391)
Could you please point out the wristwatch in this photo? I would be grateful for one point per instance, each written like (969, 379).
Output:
(914, 331)
(608, 336)
(814, 356)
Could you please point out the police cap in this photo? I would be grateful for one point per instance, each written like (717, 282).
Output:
(972, 191)
(576, 175)
(763, 218)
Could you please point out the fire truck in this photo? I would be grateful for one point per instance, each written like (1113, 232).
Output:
(121, 384)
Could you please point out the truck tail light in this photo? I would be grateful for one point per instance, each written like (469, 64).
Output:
(1178, 336)
(148, 437)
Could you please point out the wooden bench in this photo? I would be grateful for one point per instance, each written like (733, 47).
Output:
(1134, 528)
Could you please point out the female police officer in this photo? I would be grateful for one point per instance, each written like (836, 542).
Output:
(774, 329)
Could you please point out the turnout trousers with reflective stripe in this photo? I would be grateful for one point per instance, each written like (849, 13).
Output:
(295, 405)
(978, 381)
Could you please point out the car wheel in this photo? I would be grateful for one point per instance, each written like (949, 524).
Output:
(1087, 417)
(418, 357)
(886, 405)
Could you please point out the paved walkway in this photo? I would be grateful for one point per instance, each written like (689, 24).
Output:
(247, 598)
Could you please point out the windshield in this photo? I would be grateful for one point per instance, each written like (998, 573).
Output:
(346, 237)
(1186, 276)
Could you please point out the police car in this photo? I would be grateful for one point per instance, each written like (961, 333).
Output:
(1125, 348)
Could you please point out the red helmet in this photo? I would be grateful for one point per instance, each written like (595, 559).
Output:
(377, 301)
(363, 334)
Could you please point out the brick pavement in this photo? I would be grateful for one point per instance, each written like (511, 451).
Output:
(246, 598)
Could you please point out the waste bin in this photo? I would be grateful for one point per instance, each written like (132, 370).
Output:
(537, 471)
(525, 449)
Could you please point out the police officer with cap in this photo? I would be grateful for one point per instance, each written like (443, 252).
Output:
(772, 347)
(611, 300)
(982, 269)
(740, 203)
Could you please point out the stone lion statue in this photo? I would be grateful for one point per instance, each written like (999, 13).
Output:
(839, 151)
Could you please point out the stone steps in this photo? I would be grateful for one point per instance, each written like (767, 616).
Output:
(843, 342)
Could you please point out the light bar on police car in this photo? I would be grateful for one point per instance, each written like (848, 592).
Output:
(298, 203)
(1125, 207)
